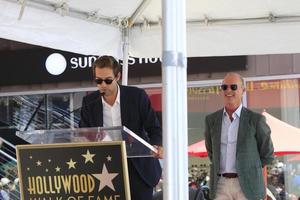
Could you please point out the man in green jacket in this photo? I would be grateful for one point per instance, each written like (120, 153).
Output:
(239, 145)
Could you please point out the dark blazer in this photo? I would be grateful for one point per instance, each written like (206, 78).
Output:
(138, 116)
(254, 151)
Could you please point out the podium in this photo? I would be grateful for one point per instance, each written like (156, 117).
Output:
(83, 163)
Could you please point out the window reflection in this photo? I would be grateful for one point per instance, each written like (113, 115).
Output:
(23, 112)
(34, 112)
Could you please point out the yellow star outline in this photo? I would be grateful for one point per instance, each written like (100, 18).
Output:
(71, 164)
(88, 156)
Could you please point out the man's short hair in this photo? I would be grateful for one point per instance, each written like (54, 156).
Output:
(107, 62)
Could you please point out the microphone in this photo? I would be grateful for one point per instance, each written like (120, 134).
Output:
(65, 114)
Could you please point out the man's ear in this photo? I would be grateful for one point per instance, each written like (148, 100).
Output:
(118, 76)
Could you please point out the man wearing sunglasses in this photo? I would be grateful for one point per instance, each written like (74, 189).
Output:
(117, 105)
(239, 145)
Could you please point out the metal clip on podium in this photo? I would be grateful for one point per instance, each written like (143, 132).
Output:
(135, 145)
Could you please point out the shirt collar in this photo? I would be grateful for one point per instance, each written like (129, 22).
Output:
(118, 95)
(237, 112)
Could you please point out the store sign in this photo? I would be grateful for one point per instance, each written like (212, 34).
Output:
(44, 65)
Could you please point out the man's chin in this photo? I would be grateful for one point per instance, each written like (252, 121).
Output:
(231, 106)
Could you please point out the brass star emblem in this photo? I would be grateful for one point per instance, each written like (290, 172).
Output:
(38, 163)
(108, 158)
(88, 157)
(105, 179)
(71, 164)
(57, 169)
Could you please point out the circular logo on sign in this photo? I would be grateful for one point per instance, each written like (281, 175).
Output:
(56, 64)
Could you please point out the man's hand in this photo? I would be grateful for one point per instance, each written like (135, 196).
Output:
(159, 153)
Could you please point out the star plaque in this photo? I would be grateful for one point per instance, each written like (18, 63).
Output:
(93, 171)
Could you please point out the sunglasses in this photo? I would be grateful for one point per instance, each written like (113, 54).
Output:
(233, 87)
(99, 81)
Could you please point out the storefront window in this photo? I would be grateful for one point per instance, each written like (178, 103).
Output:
(44, 111)
(64, 110)
(201, 101)
(24, 112)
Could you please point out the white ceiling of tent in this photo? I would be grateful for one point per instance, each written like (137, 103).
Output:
(196, 9)
(107, 8)
(227, 9)
(216, 27)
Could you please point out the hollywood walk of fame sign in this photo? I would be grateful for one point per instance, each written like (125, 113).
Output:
(73, 171)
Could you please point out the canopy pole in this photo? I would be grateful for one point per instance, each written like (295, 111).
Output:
(138, 12)
(125, 38)
(174, 73)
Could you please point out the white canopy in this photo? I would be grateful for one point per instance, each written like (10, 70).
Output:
(215, 27)
(285, 137)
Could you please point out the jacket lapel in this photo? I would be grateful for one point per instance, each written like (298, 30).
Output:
(123, 106)
(217, 128)
(98, 113)
(242, 128)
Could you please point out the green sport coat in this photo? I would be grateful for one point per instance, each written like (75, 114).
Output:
(254, 151)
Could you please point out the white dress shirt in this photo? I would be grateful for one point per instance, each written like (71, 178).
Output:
(229, 140)
(112, 115)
